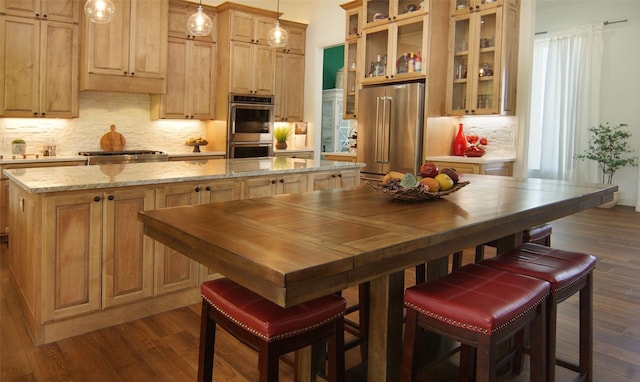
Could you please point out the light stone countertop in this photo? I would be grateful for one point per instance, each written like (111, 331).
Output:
(463, 159)
(71, 178)
(341, 153)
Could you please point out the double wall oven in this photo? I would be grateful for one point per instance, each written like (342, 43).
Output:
(250, 126)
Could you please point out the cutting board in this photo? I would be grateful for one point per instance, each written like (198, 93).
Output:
(112, 141)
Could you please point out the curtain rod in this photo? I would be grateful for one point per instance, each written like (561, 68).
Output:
(605, 23)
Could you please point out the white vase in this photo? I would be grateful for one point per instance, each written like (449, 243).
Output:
(611, 203)
(18, 148)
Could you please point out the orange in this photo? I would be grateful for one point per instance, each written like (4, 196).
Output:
(430, 184)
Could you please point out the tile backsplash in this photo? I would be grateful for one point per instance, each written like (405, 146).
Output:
(98, 110)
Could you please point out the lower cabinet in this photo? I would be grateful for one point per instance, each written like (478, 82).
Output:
(504, 168)
(261, 186)
(79, 260)
(328, 180)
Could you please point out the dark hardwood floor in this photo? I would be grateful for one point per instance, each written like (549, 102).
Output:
(164, 347)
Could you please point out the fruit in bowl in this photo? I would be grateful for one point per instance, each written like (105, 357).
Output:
(196, 142)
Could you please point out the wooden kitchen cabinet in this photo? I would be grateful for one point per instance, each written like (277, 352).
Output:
(353, 66)
(173, 270)
(482, 70)
(293, 154)
(503, 168)
(328, 180)
(289, 75)
(128, 54)
(289, 87)
(39, 62)
(459, 7)
(66, 11)
(376, 12)
(261, 186)
(190, 81)
(249, 26)
(251, 68)
(179, 13)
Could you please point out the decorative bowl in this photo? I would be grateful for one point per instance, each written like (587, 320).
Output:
(415, 194)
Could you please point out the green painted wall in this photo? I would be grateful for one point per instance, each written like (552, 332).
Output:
(333, 60)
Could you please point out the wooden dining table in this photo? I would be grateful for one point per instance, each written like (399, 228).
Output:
(296, 247)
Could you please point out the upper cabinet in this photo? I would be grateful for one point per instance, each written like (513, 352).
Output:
(129, 53)
(289, 76)
(459, 7)
(483, 48)
(191, 69)
(39, 59)
(395, 40)
(352, 58)
(247, 64)
(66, 11)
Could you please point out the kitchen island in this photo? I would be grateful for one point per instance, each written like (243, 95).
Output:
(79, 260)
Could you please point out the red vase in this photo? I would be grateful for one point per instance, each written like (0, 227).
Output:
(459, 143)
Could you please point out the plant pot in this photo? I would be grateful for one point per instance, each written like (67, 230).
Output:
(281, 145)
(611, 203)
(19, 148)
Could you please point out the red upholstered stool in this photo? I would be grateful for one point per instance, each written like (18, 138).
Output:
(540, 234)
(268, 328)
(568, 273)
(478, 306)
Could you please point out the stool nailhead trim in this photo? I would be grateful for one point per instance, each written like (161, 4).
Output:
(474, 328)
(280, 336)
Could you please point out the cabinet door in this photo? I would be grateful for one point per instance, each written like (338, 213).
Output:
(19, 63)
(258, 187)
(173, 270)
(127, 251)
(325, 180)
(291, 184)
(261, 26)
(202, 79)
(148, 38)
(348, 178)
(351, 85)
(107, 45)
(221, 191)
(289, 89)
(58, 77)
(263, 69)
(240, 71)
(4, 206)
(72, 255)
(179, 13)
(241, 27)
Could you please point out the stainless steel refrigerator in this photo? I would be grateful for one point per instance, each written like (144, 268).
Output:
(390, 126)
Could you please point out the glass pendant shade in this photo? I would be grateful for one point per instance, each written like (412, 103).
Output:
(199, 24)
(99, 11)
(278, 37)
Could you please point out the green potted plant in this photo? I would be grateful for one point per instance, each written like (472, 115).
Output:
(18, 146)
(281, 134)
(608, 146)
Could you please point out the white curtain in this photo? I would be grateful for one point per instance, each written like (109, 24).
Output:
(565, 102)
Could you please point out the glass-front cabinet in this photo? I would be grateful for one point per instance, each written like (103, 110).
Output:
(394, 51)
(483, 62)
(465, 6)
(352, 58)
(384, 11)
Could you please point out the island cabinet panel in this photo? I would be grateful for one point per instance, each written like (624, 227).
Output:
(128, 253)
(173, 270)
(261, 186)
(328, 180)
(72, 255)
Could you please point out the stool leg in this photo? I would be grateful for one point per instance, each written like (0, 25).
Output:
(363, 318)
(207, 344)
(537, 361)
(586, 329)
(406, 370)
(456, 262)
(551, 328)
(479, 253)
(336, 354)
(486, 356)
(421, 273)
(268, 360)
(466, 355)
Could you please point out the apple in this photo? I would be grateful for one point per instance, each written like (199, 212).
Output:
(428, 170)
(451, 173)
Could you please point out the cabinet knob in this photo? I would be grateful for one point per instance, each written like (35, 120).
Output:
(208, 188)
(333, 175)
(273, 181)
(111, 197)
(197, 189)
(37, 14)
(281, 180)
(340, 175)
(132, 73)
(96, 198)
(43, 114)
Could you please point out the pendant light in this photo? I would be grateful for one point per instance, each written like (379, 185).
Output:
(278, 37)
(99, 11)
(199, 24)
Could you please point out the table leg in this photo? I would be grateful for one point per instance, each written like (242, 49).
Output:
(385, 328)
(508, 243)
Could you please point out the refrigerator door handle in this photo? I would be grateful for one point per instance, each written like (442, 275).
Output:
(386, 130)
